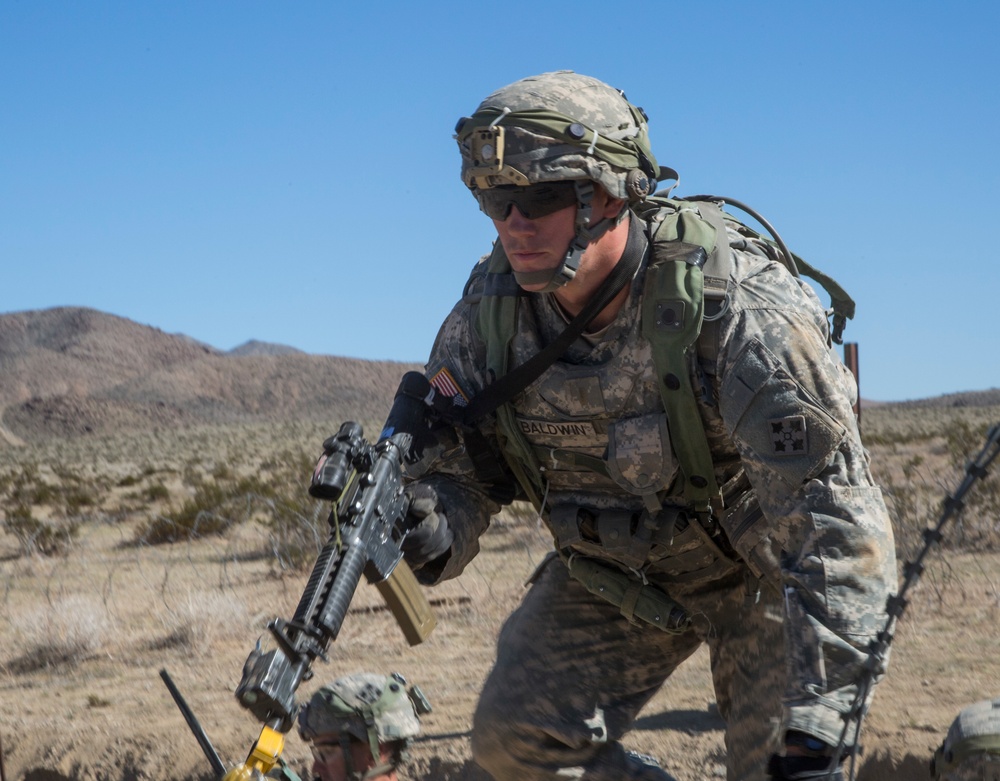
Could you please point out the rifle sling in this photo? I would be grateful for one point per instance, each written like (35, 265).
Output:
(519, 378)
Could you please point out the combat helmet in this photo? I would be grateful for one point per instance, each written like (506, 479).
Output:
(369, 707)
(556, 127)
(971, 750)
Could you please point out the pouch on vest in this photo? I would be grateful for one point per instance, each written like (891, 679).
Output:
(640, 458)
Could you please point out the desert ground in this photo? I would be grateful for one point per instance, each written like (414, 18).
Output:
(95, 600)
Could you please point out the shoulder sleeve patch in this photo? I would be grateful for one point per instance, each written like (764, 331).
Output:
(784, 435)
(789, 435)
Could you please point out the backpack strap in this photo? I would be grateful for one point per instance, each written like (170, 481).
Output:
(690, 265)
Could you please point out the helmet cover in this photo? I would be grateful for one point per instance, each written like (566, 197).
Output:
(971, 750)
(372, 708)
(558, 126)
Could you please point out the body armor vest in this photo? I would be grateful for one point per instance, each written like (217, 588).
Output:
(621, 455)
(596, 426)
(687, 271)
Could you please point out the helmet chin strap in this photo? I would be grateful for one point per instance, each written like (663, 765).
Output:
(555, 278)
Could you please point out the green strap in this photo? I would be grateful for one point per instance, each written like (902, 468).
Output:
(684, 244)
(496, 322)
(673, 308)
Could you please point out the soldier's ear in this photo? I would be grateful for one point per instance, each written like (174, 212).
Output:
(606, 206)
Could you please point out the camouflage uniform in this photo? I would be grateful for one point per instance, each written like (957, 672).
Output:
(971, 750)
(787, 585)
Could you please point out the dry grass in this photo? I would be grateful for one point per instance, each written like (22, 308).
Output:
(69, 631)
(201, 619)
(919, 457)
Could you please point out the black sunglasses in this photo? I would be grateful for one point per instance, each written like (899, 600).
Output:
(533, 201)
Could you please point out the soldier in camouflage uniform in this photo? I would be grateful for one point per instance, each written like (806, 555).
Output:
(971, 750)
(359, 727)
(784, 573)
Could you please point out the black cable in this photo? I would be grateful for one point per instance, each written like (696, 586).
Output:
(789, 258)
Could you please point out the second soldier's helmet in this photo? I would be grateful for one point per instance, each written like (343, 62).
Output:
(558, 126)
(371, 708)
(971, 750)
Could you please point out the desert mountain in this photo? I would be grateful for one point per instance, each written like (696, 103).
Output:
(256, 347)
(71, 371)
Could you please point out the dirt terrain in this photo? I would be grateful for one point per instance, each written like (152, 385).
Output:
(196, 608)
(154, 516)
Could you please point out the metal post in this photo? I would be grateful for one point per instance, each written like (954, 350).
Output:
(851, 359)
(206, 745)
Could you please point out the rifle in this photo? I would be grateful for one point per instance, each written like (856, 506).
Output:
(368, 525)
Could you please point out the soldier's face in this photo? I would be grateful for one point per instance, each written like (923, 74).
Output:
(329, 762)
(539, 244)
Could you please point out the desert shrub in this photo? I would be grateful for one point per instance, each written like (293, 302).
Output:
(156, 492)
(35, 536)
(128, 481)
(64, 472)
(67, 632)
(192, 474)
(977, 526)
(199, 516)
(201, 618)
(917, 473)
(24, 485)
(254, 486)
(296, 534)
(77, 499)
(215, 507)
(43, 494)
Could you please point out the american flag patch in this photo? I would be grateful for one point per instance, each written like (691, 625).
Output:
(445, 384)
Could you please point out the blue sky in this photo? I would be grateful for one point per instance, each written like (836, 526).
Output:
(286, 172)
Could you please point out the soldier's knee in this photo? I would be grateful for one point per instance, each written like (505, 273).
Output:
(492, 739)
(488, 752)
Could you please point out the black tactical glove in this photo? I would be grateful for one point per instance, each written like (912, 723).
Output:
(803, 769)
(430, 536)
